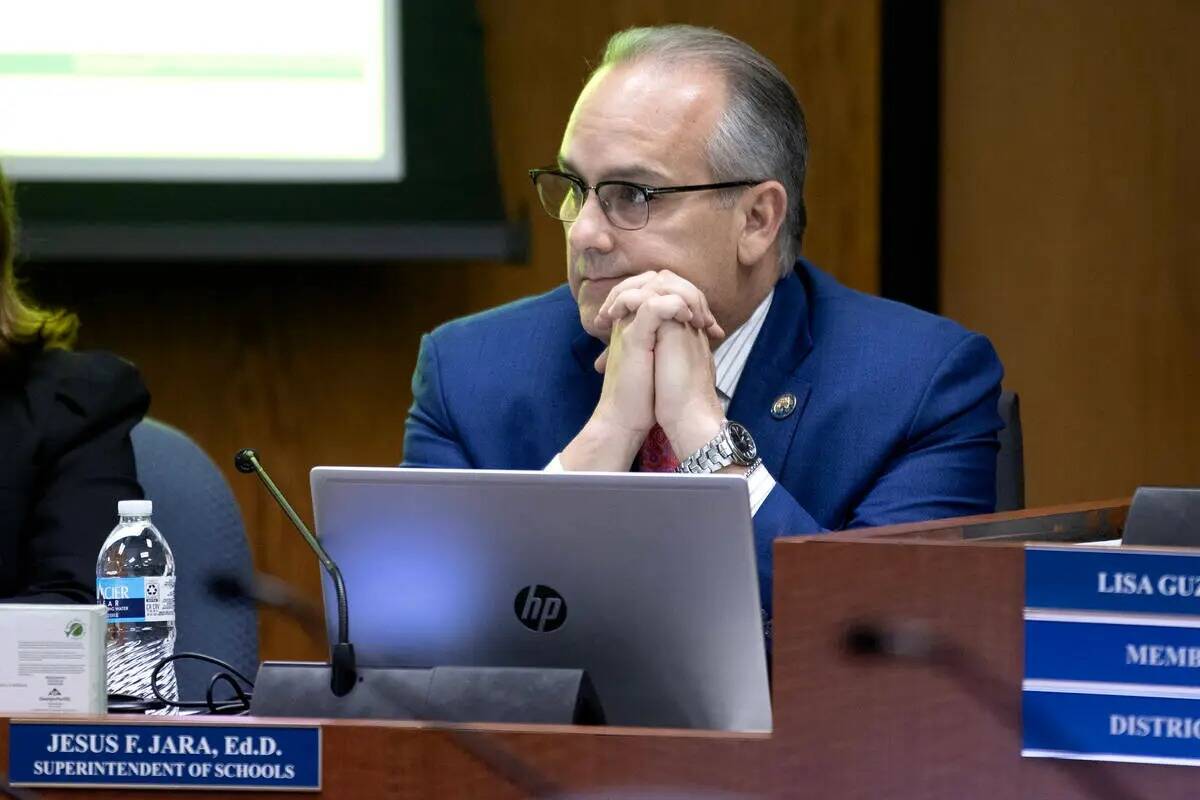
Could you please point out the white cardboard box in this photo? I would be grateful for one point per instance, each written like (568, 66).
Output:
(52, 659)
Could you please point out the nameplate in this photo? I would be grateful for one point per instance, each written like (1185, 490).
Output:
(1111, 649)
(133, 756)
(1112, 655)
(1111, 727)
(1130, 581)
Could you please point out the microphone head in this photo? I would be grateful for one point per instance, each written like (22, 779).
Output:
(864, 639)
(228, 587)
(904, 639)
(244, 460)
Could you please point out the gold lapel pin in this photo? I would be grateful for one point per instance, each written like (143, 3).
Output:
(784, 405)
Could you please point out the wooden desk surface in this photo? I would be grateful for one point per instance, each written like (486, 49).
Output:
(845, 727)
(373, 758)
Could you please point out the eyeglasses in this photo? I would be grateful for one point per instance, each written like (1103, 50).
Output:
(625, 204)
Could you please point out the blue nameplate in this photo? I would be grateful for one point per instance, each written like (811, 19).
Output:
(1112, 650)
(1112, 655)
(172, 756)
(1106, 727)
(1102, 579)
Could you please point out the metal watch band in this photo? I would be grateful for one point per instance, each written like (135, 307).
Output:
(715, 455)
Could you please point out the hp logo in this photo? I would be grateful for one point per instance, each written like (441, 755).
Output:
(540, 608)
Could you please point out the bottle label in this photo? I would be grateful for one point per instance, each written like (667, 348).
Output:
(150, 599)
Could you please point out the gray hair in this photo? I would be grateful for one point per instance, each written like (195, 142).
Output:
(761, 135)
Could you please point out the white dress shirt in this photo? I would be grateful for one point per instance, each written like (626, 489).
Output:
(729, 360)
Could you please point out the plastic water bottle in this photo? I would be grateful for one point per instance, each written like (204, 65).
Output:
(135, 578)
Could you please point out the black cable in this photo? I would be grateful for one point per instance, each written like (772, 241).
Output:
(199, 657)
(242, 704)
(128, 704)
(242, 697)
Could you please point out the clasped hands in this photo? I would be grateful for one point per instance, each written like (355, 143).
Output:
(658, 368)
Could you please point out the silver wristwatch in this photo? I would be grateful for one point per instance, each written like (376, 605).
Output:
(732, 445)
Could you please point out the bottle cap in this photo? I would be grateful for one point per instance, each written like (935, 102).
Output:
(134, 508)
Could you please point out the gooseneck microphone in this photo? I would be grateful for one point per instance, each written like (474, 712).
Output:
(386, 693)
(344, 673)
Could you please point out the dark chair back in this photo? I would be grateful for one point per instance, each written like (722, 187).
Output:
(1010, 461)
(197, 513)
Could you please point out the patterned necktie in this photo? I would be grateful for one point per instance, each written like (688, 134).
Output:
(656, 454)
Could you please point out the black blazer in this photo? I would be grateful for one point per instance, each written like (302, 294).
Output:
(65, 461)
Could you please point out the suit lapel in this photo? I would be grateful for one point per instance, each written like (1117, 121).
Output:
(580, 398)
(587, 349)
(772, 371)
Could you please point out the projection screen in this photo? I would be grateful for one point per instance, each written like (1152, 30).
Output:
(188, 91)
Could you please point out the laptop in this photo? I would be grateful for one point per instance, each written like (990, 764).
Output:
(647, 581)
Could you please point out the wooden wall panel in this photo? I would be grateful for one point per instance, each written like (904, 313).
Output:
(1070, 235)
(539, 52)
(311, 365)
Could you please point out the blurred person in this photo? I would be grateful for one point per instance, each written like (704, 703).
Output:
(690, 336)
(65, 454)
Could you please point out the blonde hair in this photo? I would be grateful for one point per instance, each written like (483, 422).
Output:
(23, 325)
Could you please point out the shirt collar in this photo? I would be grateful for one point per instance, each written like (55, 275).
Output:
(729, 359)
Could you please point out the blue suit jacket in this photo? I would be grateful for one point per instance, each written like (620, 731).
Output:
(895, 419)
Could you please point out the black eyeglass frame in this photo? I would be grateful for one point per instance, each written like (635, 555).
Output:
(649, 192)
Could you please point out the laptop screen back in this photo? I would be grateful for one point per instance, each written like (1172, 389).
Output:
(646, 581)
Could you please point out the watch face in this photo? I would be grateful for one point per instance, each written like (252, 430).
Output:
(744, 449)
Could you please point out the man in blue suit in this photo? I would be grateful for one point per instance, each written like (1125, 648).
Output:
(689, 336)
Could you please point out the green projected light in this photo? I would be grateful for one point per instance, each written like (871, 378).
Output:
(220, 90)
(177, 66)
